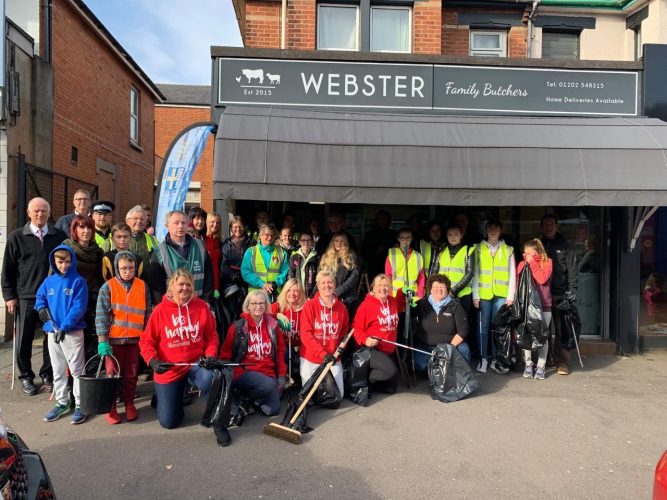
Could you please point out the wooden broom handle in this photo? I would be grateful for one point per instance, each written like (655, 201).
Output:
(319, 380)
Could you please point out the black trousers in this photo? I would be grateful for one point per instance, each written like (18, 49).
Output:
(382, 366)
(28, 321)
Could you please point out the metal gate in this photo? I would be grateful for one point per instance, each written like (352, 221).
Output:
(56, 188)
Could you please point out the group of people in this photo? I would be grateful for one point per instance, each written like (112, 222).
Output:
(275, 304)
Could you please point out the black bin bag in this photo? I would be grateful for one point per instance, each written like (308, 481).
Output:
(501, 335)
(327, 395)
(450, 377)
(218, 404)
(357, 370)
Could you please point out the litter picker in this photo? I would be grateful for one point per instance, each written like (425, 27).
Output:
(287, 432)
(16, 319)
(404, 346)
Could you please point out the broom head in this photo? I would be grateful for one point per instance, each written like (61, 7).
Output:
(282, 432)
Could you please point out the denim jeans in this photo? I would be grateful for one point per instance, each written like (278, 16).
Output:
(421, 360)
(261, 390)
(170, 396)
(487, 311)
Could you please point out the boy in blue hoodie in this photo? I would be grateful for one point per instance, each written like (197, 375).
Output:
(61, 302)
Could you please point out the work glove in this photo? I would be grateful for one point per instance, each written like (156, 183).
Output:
(280, 385)
(413, 301)
(329, 358)
(216, 294)
(408, 290)
(159, 366)
(570, 296)
(59, 336)
(104, 349)
(210, 362)
(285, 324)
(44, 315)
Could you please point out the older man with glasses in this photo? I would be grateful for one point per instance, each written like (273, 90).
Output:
(81, 204)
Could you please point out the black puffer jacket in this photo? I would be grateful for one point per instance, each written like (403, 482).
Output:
(564, 277)
(230, 260)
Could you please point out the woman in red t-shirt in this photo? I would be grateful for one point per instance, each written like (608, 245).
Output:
(377, 316)
(289, 305)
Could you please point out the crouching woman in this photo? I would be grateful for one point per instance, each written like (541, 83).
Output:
(256, 342)
(181, 329)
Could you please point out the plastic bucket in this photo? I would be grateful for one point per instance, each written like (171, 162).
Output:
(98, 391)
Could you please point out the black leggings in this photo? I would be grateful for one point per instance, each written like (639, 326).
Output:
(382, 367)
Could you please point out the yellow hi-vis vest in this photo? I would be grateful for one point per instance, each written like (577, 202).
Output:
(494, 272)
(455, 268)
(398, 274)
(426, 249)
(259, 267)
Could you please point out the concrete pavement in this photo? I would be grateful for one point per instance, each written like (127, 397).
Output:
(597, 433)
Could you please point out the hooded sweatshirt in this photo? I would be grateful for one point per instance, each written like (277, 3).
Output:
(541, 277)
(179, 334)
(376, 318)
(66, 296)
(260, 352)
(322, 328)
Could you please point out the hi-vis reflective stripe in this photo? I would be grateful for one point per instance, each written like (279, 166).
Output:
(493, 271)
(129, 324)
(128, 309)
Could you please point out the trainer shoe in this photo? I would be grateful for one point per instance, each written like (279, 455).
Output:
(112, 417)
(563, 370)
(222, 436)
(498, 368)
(528, 372)
(539, 373)
(78, 417)
(131, 412)
(57, 411)
(481, 368)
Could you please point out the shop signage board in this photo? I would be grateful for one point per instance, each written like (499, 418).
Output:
(425, 87)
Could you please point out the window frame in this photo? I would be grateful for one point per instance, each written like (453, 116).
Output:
(391, 7)
(501, 52)
(135, 106)
(356, 27)
(563, 32)
(637, 39)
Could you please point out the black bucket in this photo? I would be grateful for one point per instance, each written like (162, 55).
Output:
(98, 391)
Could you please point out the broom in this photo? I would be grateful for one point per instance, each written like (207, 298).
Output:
(286, 432)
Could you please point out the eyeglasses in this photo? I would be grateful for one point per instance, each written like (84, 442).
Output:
(131, 268)
(257, 304)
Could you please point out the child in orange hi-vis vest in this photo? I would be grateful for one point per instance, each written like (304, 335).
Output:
(123, 309)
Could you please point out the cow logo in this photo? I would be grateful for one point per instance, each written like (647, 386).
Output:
(257, 82)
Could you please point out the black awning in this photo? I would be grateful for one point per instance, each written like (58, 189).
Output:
(269, 153)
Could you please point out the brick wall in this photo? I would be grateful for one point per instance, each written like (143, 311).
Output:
(169, 121)
(427, 23)
(301, 27)
(262, 28)
(92, 110)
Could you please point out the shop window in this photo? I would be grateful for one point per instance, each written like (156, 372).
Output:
(337, 27)
(560, 45)
(134, 115)
(488, 43)
(391, 29)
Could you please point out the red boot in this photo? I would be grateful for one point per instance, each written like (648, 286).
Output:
(130, 411)
(112, 417)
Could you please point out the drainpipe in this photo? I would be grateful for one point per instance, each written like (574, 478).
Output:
(283, 23)
(531, 16)
(48, 24)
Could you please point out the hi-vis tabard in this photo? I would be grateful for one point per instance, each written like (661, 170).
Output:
(398, 277)
(129, 310)
(494, 271)
(426, 249)
(455, 268)
(259, 267)
(171, 260)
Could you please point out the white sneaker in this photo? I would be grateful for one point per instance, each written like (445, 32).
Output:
(481, 367)
(502, 370)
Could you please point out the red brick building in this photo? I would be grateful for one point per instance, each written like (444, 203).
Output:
(183, 106)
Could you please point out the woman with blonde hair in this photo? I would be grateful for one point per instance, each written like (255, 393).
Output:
(377, 318)
(288, 309)
(541, 267)
(341, 261)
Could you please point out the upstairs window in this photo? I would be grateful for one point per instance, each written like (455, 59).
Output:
(337, 27)
(391, 29)
(488, 43)
(134, 115)
(560, 45)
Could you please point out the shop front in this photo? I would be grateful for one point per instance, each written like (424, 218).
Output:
(436, 137)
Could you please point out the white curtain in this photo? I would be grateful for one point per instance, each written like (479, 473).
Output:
(337, 28)
(390, 29)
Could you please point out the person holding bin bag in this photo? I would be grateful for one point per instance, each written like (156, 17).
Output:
(123, 309)
(61, 302)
